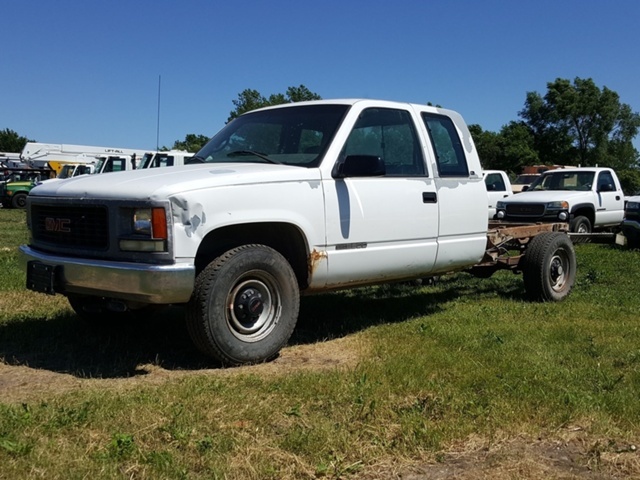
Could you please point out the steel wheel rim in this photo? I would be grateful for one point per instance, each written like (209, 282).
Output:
(253, 307)
(559, 270)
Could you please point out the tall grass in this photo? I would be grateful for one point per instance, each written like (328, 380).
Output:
(436, 365)
(13, 232)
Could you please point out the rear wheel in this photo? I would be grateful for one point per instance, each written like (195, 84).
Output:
(244, 306)
(549, 267)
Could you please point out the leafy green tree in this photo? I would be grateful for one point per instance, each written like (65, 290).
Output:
(487, 145)
(301, 94)
(516, 148)
(191, 143)
(579, 123)
(250, 99)
(10, 141)
(508, 150)
(630, 180)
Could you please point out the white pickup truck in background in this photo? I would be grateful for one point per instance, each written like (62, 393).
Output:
(498, 188)
(298, 198)
(589, 198)
(169, 158)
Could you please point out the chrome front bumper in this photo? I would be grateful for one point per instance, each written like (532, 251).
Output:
(145, 283)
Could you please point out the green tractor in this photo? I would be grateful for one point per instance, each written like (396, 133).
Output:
(17, 184)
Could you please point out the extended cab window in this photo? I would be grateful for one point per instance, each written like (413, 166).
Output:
(450, 157)
(389, 134)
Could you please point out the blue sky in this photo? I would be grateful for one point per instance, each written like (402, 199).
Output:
(86, 72)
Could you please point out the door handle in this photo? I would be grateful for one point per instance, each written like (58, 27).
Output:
(429, 197)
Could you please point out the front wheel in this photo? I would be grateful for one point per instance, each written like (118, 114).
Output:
(244, 306)
(549, 267)
(580, 224)
(633, 238)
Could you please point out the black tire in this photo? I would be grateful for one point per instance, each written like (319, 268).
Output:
(19, 200)
(244, 306)
(580, 224)
(549, 267)
(633, 239)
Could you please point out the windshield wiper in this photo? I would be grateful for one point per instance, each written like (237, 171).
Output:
(195, 159)
(241, 153)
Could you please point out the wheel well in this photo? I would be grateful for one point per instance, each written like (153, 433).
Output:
(584, 212)
(285, 238)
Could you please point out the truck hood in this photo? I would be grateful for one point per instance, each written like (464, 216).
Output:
(158, 183)
(548, 196)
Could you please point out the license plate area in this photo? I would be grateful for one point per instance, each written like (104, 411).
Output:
(42, 277)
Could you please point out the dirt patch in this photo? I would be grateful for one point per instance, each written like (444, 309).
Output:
(569, 456)
(19, 383)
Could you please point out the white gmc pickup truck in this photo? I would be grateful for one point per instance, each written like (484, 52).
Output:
(588, 198)
(304, 197)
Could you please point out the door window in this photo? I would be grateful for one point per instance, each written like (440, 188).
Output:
(389, 134)
(495, 183)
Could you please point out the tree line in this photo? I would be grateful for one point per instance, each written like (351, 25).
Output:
(573, 123)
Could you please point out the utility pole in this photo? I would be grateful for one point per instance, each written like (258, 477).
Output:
(158, 127)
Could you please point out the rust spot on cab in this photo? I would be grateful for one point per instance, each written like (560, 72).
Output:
(315, 257)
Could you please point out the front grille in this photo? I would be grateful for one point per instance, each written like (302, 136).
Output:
(525, 209)
(82, 227)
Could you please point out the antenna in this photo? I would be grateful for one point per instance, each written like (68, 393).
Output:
(158, 127)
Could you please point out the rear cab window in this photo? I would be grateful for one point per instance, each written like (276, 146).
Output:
(450, 158)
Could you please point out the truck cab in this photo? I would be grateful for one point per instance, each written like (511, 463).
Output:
(286, 200)
(169, 158)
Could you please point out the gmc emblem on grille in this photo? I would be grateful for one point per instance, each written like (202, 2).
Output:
(57, 224)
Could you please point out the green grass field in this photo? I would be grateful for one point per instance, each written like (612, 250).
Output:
(467, 364)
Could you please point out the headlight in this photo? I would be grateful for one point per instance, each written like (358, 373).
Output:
(150, 222)
(633, 206)
(558, 205)
(500, 205)
(148, 231)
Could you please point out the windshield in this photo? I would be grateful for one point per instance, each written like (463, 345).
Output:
(563, 180)
(111, 164)
(146, 160)
(295, 135)
(525, 179)
(66, 171)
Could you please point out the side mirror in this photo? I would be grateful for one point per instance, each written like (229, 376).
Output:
(359, 166)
